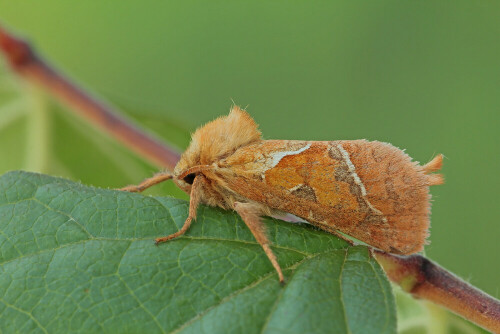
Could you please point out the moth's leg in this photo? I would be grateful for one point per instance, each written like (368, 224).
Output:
(250, 214)
(157, 178)
(194, 201)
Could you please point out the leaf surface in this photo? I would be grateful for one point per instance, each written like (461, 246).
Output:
(81, 259)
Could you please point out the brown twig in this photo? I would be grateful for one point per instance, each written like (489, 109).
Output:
(416, 274)
(425, 279)
(24, 61)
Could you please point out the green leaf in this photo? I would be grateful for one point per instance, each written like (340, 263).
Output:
(81, 259)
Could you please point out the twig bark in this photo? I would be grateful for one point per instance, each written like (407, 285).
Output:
(25, 62)
(425, 279)
(416, 274)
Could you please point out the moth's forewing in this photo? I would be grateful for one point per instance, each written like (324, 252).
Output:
(369, 190)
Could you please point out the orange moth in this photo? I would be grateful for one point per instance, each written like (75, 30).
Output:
(369, 190)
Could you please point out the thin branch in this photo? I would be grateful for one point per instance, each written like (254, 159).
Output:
(415, 274)
(427, 280)
(25, 62)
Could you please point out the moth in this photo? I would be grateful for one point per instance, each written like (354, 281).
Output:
(369, 190)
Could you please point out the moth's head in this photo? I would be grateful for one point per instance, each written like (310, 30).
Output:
(214, 141)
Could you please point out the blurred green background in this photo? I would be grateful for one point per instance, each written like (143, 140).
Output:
(423, 75)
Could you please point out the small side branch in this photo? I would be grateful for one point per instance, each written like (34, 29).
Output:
(427, 280)
(25, 62)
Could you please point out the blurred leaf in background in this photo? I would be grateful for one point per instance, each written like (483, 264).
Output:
(424, 76)
(37, 134)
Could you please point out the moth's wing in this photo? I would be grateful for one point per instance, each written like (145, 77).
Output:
(369, 190)
(399, 188)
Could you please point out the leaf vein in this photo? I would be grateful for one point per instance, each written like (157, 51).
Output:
(385, 295)
(340, 291)
(27, 313)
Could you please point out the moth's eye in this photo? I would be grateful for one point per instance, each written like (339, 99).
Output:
(189, 179)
